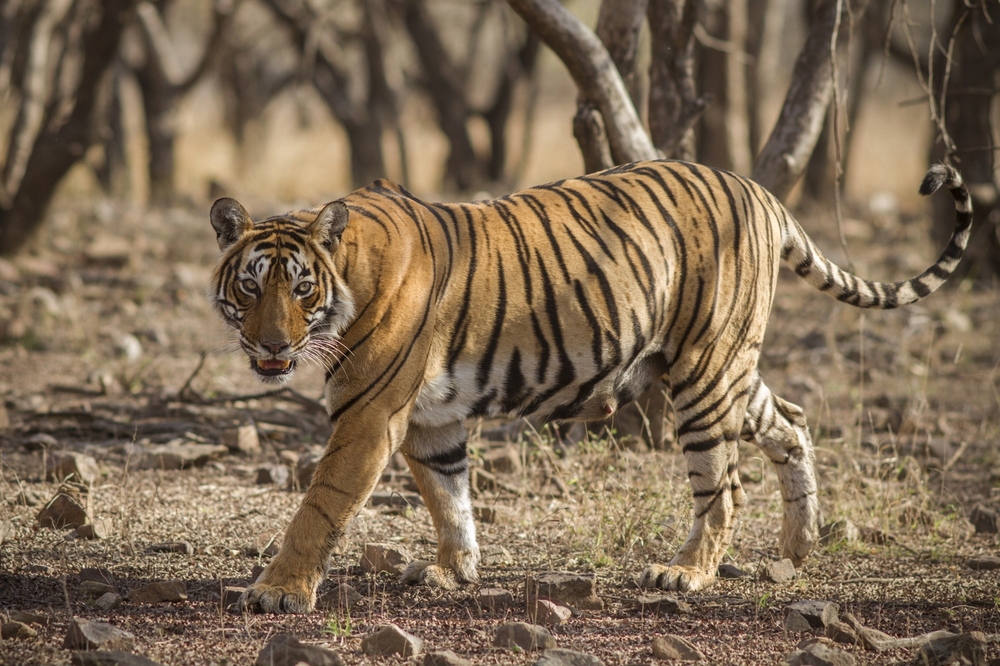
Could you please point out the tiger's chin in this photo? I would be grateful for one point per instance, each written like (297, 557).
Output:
(272, 370)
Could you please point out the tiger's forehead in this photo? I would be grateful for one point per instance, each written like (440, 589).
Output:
(276, 247)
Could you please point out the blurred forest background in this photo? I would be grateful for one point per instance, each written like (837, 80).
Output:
(176, 102)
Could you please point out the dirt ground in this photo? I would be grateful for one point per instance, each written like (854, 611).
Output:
(99, 350)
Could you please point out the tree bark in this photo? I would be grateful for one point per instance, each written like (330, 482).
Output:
(66, 132)
(619, 25)
(595, 75)
(674, 105)
(785, 155)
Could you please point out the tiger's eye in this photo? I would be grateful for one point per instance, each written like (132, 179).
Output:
(249, 285)
(303, 288)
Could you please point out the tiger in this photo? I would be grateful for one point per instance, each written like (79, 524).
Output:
(564, 302)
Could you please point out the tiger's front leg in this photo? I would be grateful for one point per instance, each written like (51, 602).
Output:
(344, 480)
(437, 458)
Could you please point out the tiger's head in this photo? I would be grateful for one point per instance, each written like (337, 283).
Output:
(276, 285)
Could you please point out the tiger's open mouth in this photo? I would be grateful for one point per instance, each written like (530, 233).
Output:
(272, 367)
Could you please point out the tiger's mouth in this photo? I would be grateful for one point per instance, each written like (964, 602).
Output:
(272, 367)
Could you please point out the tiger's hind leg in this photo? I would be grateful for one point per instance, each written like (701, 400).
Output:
(710, 415)
(438, 461)
(779, 428)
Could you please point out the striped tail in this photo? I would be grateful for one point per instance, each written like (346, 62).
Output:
(810, 264)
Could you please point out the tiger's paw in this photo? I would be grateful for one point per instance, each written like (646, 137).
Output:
(676, 577)
(424, 572)
(294, 596)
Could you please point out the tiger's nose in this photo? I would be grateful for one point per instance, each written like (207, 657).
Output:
(274, 347)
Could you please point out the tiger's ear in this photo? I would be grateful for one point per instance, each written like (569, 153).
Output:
(328, 226)
(230, 221)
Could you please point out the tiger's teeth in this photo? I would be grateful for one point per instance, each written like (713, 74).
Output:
(272, 364)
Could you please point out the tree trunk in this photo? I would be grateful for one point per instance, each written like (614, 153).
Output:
(674, 106)
(619, 25)
(62, 140)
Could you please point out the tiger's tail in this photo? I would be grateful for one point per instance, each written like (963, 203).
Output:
(810, 264)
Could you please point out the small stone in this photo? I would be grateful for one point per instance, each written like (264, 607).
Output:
(547, 613)
(40, 441)
(674, 647)
(62, 511)
(503, 460)
(795, 622)
(662, 604)
(64, 465)
(109, 250)
(110, 658)
(92, 588)
(31, 618)
(569, 589)
(6, 531)
(129, 347)
(341, 599)
(731, 571)
(841, 632)
(815, 652)
(385, 557)
(494, 599)
(305, 468)
(273, 474)
(391, 640)
(181, 454)
(170, 591)
(93, 635)
(231, 595)
(484, 514)
(818, 614)
(781, 571)
(967, 648)
(562, 657)
(264, 544)
(179, 547)
(524, 636)
(286, 650)
(986, 521)
(495, 555)
(838, 531)
(984, 563)
(17, 631)
(28, 497)
(97, 574)
(395, 499)
(99, 528)
(108, 601)
(289, 457)
(243, 440)
(445, 658)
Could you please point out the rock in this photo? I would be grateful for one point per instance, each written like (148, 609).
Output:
(180, 547)
(986, 521)
(484, 513)
(967, 648)
(31, 618)
(385, 557)
(731, 571)
(781, 571)
(62, 511)
(128, 347)
(93, 635)
(99, 528)
(70, 465)
(110, 658)
(794, 622)
(675, 647)
(547, 613)
(445, 658)
(273, 474)
(871, 639)
(242, 440)
(817, 614)
(230, 595)
(16, 631)
(108, 601)
(286, 650)
(40, 441)
(494, 599)
(395, 499)
(97, 574)
(569, 589)
(841, 632)
(340, 599)
(6, 531)
(562, 657)
(815, 652)
(181, 454)
(838, 531)
(984, 563)
(108, 250)
(391, 640)
(524, 636)
(305, 468)
(264, 544)
(92, 588)
(170, 591)
(495, 555)
(662, 604)
(503, 460)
